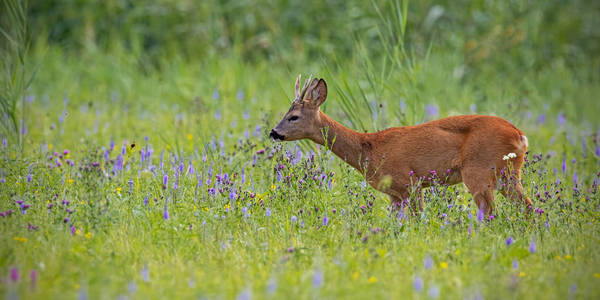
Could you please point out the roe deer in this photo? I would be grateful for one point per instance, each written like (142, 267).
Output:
(475, 149)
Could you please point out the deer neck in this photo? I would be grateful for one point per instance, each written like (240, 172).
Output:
(346, 143)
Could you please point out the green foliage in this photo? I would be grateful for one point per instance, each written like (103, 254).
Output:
(15, 75)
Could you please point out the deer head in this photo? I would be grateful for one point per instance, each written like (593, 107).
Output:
(302, 120)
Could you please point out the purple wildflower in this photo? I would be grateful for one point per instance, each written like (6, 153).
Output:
(325, 220)
(33, 278)
(434, 292)
(432, 111)
(509, 241)
(428, 263)
(515, 264)
(119, 163)
(165, 180)
(317, 279)
(418, 284)
(130, 182)
(561, 119)
(166, 211)
(176, 182)
(268, 212)
(14, 275)
(293, 219)
(145, 274)
(132, 287)
(480, 215)
(73, 230)
(541, 119)
(271, 286)
(564, 165)
(532, 246)
(245, 295)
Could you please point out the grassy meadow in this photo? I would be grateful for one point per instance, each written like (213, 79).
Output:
(137, 163)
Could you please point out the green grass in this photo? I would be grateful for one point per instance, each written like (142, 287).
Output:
(215, 112)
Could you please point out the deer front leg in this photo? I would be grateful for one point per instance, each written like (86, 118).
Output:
(400, 200)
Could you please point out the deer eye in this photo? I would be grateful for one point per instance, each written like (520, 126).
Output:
(293, 118)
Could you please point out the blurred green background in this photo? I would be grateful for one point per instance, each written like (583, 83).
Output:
(531, 33)
(476, 56)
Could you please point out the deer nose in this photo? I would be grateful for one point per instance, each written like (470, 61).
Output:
(276, 136)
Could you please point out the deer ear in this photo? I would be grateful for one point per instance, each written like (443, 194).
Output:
(319, 92)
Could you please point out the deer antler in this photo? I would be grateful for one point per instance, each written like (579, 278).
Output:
(300, 96)
(297, 87)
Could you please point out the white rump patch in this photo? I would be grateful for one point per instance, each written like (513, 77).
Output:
(524, 140)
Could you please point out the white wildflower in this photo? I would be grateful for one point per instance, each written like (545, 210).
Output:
(509, 156)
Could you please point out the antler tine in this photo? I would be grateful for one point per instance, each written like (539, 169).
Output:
(306, 84)
(297, 87)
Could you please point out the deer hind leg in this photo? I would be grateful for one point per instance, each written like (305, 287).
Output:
(480, 182)
(511, 187)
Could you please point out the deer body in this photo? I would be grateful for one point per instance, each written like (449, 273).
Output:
(400, 160)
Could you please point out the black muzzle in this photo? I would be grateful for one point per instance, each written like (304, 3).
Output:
(276, 136)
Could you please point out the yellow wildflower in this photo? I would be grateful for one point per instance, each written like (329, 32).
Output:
(20, 239)
(88, 235)
(522, 274)
(190, 136)
(372, 279)
(567, 257)
(355, 275)
(597, 275)
(443, 265)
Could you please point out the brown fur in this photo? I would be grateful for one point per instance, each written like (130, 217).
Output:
(468, 148)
